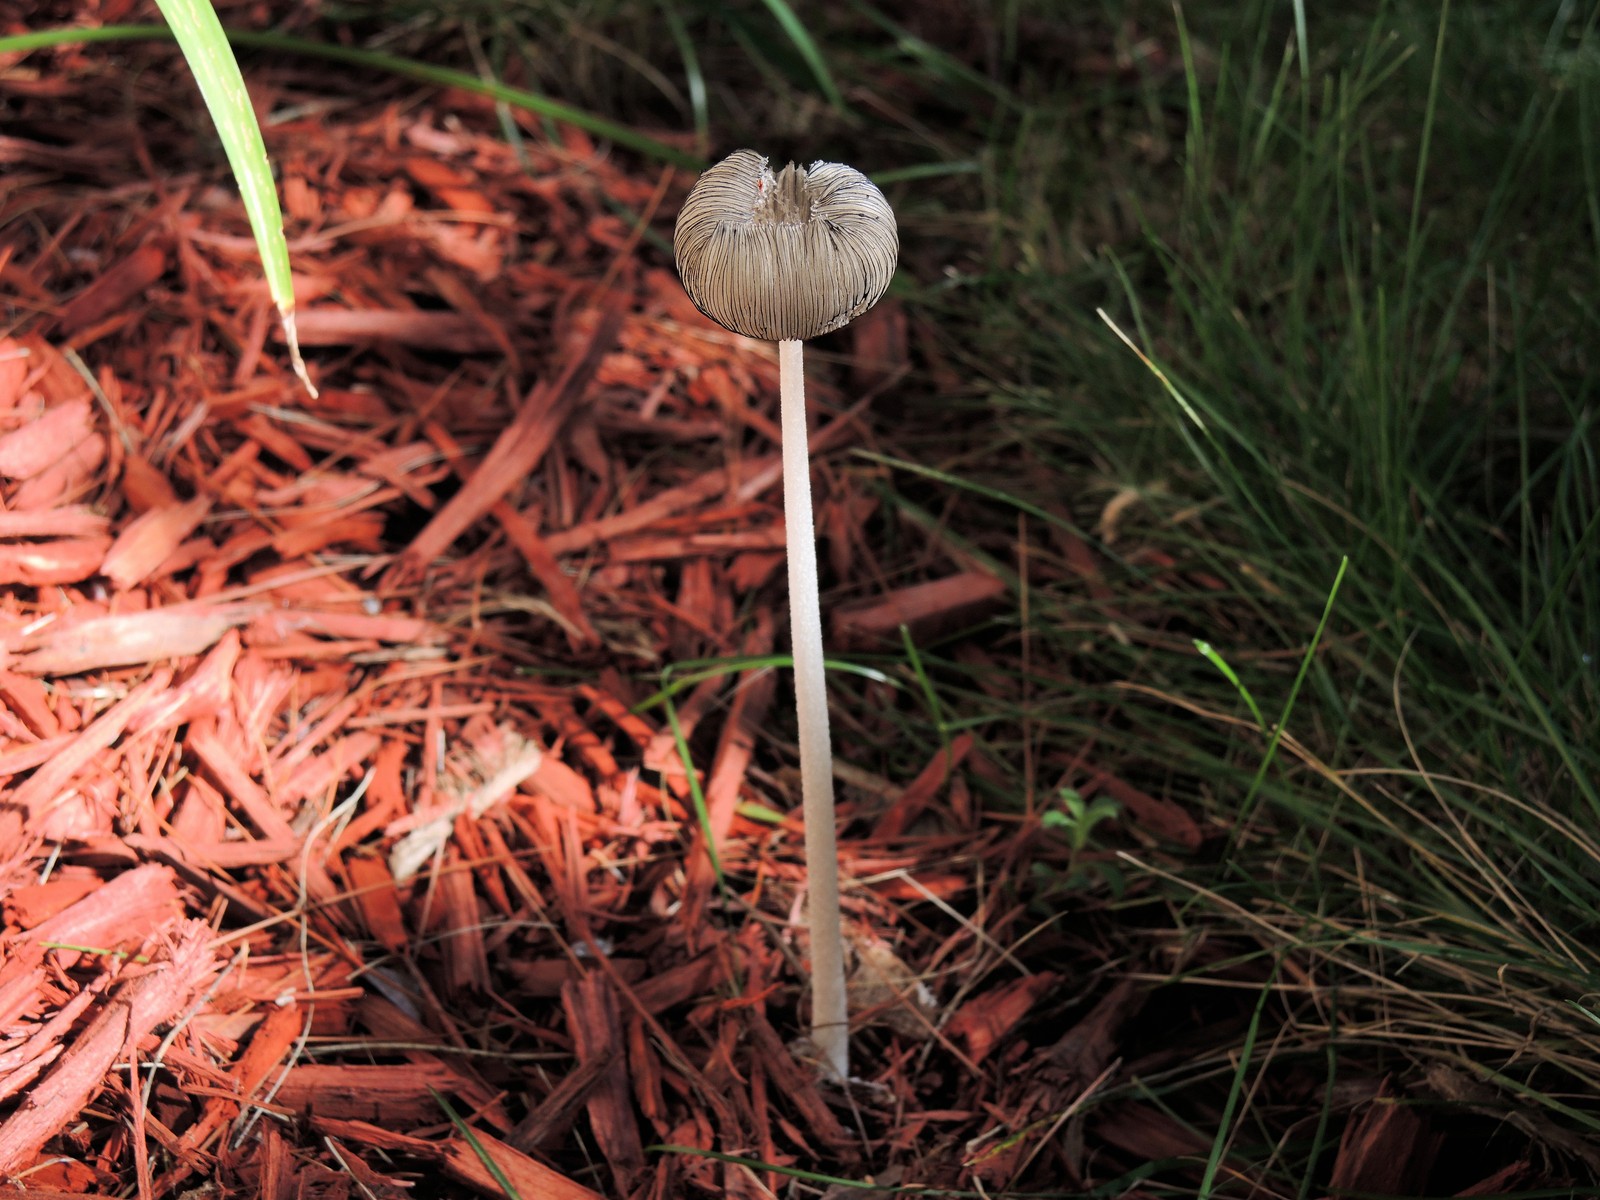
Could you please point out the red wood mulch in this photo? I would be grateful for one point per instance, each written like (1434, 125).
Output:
(324, 800)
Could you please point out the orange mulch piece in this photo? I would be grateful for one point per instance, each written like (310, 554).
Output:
(919, 793)
(1389, 1147)
(984, 1021)
(326, 796)
(921, 607)
(527, 1176)
(81, 1052)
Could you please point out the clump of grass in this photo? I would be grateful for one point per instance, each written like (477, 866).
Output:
(1352, 341)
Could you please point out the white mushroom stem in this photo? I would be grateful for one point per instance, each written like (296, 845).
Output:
(830, 1016)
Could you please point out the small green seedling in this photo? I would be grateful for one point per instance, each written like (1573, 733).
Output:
(1076, 820)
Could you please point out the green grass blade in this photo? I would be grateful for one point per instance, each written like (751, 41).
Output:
(1225, 1123)
(478, 1148)
(199, 35)
(920, 171)
(387, 63)
(929, 696)
(943, 66)
(682, 676)
(977, 489)
(697, 796)
(1320, 1138)
(698, 107)
(1301, 41)
(1294, 693)
(808, 49)
(1430, 114)
(1208, 652)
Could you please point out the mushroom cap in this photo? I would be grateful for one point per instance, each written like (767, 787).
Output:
(792, 255)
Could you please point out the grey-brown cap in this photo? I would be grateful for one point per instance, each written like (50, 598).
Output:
(791, 255)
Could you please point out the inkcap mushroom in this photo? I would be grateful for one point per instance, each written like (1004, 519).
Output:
(784, 257)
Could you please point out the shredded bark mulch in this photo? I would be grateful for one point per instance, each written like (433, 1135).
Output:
(328, 803)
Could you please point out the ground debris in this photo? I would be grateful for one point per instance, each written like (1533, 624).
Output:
(326, 794)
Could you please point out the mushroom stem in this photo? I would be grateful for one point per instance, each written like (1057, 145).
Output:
(830, 1017)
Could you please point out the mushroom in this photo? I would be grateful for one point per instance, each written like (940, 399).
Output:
(783, 258)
